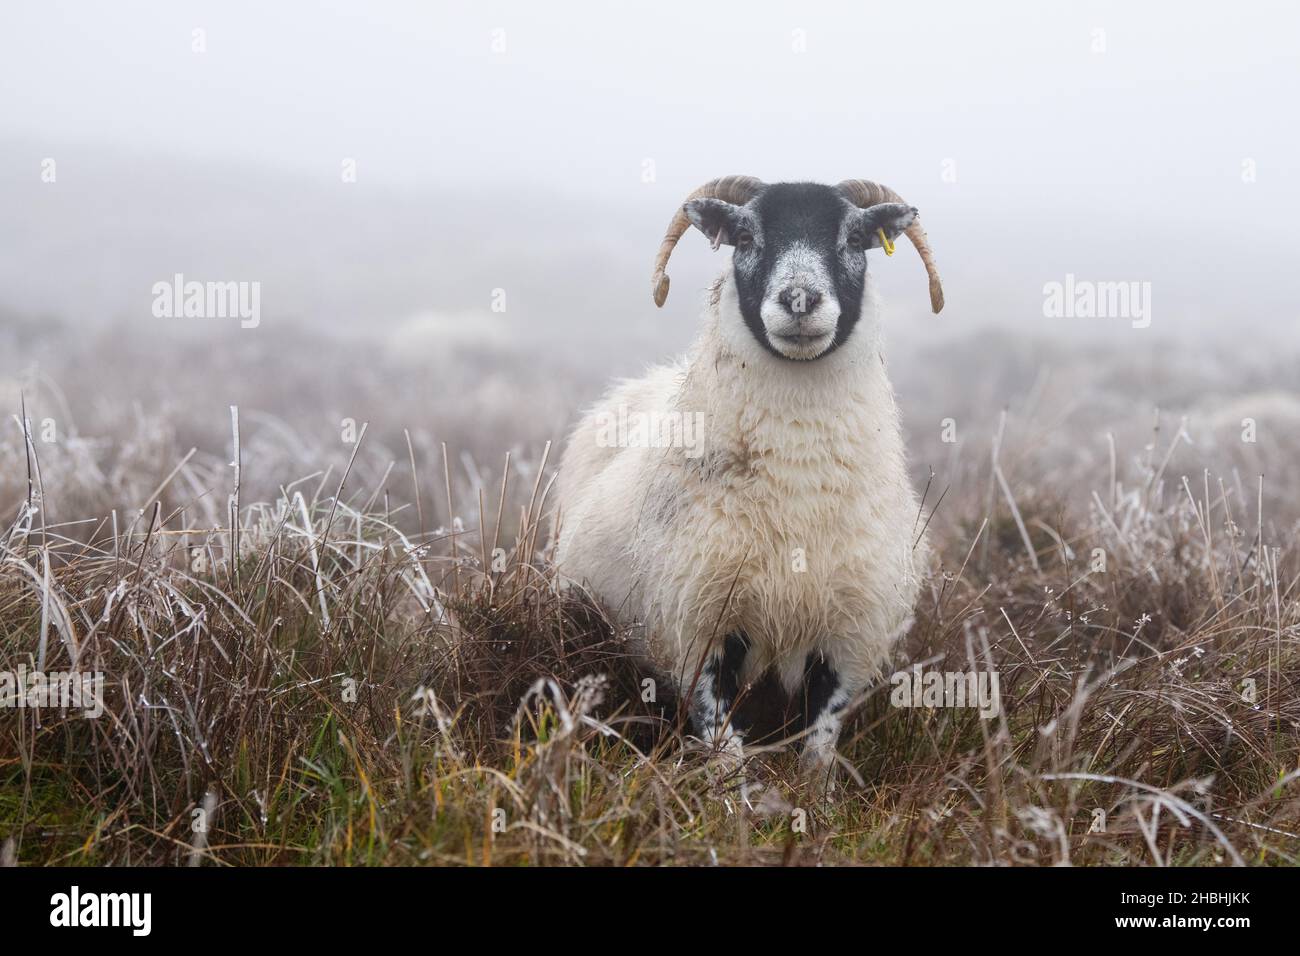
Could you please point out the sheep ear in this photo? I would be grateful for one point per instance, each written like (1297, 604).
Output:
(893, 217)
(715, 218)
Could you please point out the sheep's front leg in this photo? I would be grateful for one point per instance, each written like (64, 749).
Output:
(715, 696)
(826, 697)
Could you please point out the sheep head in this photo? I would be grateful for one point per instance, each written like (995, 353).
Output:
(799, 253)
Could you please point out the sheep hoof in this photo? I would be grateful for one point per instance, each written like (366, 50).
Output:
(725, 757)
(728, 751)
(817, 770)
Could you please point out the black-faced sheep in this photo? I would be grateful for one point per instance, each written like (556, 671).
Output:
(750, 505)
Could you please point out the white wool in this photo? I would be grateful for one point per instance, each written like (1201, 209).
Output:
(698, 543)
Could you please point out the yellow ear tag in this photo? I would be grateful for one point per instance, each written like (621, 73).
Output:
(885, 243)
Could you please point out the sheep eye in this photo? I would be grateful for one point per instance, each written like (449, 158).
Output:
(855, 241)
(744, 241)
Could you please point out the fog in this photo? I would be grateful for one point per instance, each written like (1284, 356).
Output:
(518, 147)
(450, 214)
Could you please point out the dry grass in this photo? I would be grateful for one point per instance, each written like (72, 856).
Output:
(356, 687)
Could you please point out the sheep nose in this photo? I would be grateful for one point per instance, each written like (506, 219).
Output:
(799, 300)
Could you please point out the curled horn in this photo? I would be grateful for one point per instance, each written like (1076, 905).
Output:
(733, 189)
(864, 193)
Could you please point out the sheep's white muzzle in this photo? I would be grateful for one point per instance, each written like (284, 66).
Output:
(800, 336)
(800, 312)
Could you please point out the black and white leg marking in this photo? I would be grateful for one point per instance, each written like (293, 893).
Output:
(825, 699)
(716, 693)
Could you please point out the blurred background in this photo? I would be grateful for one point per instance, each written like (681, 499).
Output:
(451, 211)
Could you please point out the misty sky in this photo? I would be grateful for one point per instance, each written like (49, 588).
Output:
(508, 143)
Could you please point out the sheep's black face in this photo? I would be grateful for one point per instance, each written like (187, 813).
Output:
(800, 261)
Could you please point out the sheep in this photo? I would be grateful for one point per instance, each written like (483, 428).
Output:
(780, 535)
